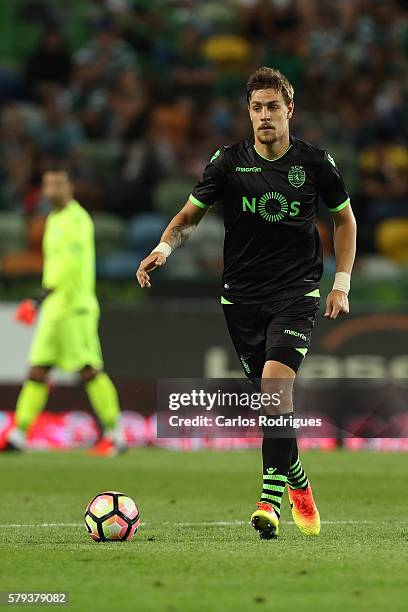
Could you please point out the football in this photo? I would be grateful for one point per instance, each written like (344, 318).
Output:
(112, 516)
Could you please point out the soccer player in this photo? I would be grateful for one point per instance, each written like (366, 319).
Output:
(269, 186)
(67, 332)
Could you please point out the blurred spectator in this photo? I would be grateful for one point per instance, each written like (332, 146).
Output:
(17, 159)
(145, 162)
(129, 107)
(87, 100)
(56, 134)
(140, 104)
(192, 73)
(106, 55)
(49, 63)
(384, 180)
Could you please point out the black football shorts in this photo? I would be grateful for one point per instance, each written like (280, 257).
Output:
(279, 331)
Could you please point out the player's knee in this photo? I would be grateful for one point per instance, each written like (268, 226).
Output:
(38, 373)
(277, 383)
(277, 399)
(88, 373)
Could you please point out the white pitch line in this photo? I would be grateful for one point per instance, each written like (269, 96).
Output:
(231, 523)
(198, 524)
(26, 525)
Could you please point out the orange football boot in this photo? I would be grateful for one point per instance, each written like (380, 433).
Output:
(304, 510)
(106, 448)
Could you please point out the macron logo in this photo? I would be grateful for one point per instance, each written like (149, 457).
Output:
(295, 333)
(246, 366)
(253, 169)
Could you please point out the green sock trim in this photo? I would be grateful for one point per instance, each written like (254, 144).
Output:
(30, 402)
(297, 478)
(269, 497)
(299, 481)
(104, 400)
(275, 477)
(296, 472)
(270, 487)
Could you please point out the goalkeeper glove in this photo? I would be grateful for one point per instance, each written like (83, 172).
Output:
(26, 312)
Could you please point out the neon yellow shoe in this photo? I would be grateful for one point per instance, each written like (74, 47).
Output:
(266, 521)
(304, 510)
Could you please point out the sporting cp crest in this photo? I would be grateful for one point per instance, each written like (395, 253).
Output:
(296, 176)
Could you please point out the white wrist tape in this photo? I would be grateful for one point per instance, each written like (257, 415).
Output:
(342, 282)
(163, 248)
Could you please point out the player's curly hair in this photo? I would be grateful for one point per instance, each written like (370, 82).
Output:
(269, 78)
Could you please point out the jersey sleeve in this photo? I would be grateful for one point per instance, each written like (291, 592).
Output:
(331, 185)
(209, 189)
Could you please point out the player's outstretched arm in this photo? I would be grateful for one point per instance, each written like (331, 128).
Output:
(175, 234)
(345, 249)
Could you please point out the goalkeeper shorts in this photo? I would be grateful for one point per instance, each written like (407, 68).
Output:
(68, 343)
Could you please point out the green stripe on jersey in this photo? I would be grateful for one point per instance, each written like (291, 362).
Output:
(197, 202)
(276, 158)
(224, 301)
(340, 206)
(302, 351)
(314, 293)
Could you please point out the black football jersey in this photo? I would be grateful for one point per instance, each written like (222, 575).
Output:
(272, 248)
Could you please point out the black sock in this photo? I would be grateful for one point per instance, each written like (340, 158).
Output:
(297, 478)
(276, 455)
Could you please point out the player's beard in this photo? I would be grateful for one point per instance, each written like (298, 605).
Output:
(267, 137)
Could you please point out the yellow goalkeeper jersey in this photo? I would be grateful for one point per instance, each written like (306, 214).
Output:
(69, 262)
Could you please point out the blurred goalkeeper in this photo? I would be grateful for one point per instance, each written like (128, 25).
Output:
(67, 332)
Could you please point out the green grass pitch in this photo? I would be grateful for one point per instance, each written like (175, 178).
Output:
(195, 551)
